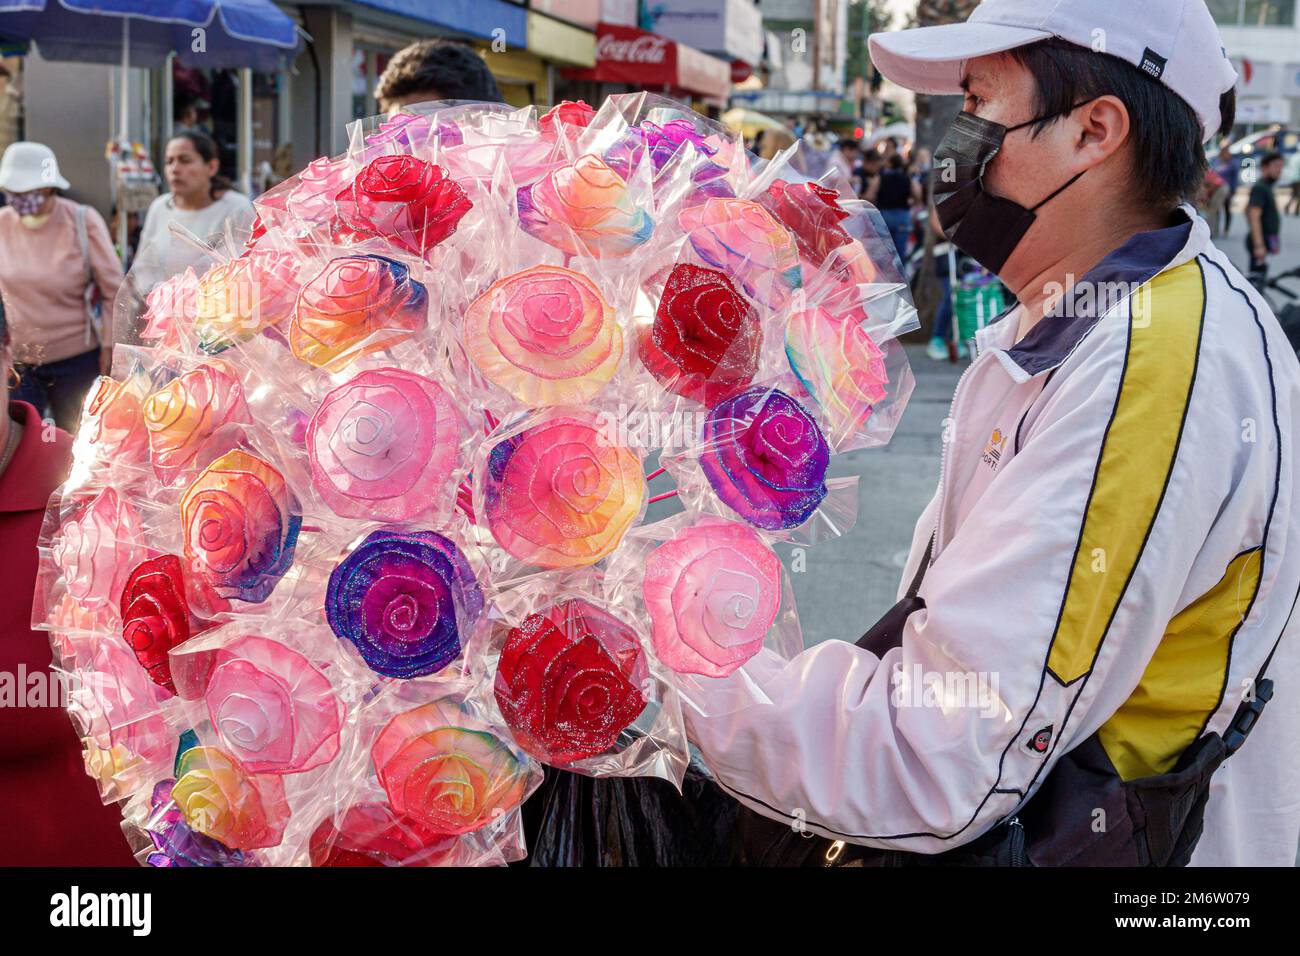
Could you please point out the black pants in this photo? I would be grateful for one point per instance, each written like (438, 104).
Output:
(57, 389)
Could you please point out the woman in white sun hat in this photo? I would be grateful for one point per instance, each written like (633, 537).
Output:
(59, 276)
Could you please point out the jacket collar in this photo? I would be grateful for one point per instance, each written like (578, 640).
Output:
(1136, 262)
(39, 465)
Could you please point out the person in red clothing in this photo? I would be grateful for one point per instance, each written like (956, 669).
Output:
(52, 814)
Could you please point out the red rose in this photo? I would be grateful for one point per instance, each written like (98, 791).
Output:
(402, 199)
(568, 681)
(705, 340)
(373, 834)
(568, 113)
(812, 213)
(156, 614)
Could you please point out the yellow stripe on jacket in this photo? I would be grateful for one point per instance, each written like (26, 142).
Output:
(1137, 455)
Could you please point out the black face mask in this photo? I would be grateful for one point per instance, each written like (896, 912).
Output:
(985, 227)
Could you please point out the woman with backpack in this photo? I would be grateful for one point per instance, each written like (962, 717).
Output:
(59, 277)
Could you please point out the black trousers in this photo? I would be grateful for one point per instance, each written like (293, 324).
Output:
(57, 389)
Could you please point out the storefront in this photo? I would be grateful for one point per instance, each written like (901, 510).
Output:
(728, 29)
(629, 59)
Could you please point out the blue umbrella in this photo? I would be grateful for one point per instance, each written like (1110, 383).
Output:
(203, 33)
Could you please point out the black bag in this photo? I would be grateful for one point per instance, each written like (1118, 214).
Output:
(573, 820)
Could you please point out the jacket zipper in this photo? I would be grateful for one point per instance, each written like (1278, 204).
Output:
(1017, 841)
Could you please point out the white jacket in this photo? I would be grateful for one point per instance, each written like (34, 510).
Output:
(1116, 550)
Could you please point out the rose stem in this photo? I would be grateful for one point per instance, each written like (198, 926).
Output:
(666, 494)
(655, 474)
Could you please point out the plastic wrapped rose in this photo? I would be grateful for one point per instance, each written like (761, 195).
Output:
(743, 240)
(398, 134)
(175, 844)
(765, 458)
(402, 200)
(162, 608)
(449, 776)
(220, 799)
(118, 708)
(193, 413)
(170, 306)
(237, 300)
(112, 421)
(273, 711)
(240, 526)
(559, 495)
(706, 339)
(308, 198)
(384, 445)
(712, 593)
(373, 834)
(569, 681)
(840, 366)
(96, 549)
(584, 208)
(660, 144)
(404, 599)
(356, 305)
(545, 335)
(566, 120)
(812, 213)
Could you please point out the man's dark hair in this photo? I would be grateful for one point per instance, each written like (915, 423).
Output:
(1168, 156)
(444, 69)
(1270, 158)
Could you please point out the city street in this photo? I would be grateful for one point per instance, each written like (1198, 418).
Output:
(850, 582)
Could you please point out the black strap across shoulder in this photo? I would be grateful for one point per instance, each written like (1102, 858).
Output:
(1083, 814)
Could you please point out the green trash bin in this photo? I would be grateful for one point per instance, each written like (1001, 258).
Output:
(976, 301)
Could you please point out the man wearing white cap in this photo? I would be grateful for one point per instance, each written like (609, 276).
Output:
(1100, 588)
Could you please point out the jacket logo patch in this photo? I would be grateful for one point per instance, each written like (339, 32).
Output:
(1039, 742)
(997, 444)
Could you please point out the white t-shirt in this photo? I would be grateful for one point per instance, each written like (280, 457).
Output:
(161, 255)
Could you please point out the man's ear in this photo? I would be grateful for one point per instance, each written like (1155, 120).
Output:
(1103, 128)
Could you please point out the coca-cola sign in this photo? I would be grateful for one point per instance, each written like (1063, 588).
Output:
(646, 48)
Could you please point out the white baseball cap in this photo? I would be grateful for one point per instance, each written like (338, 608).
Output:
(27, 166)
(1174, 41)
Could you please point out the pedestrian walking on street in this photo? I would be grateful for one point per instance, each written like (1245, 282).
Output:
(59, 276)
(1229, 170)
(1264, 222)
(894, 193)
(199, 200)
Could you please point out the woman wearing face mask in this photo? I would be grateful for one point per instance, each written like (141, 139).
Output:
(59, 275)
(200, 201)
(53, 814)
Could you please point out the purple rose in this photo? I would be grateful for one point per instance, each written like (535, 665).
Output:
(766, 458)
(403, 599)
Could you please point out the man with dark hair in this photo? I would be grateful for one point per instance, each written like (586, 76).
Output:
(1263, 221)
(435, 70)
(1093, 608)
